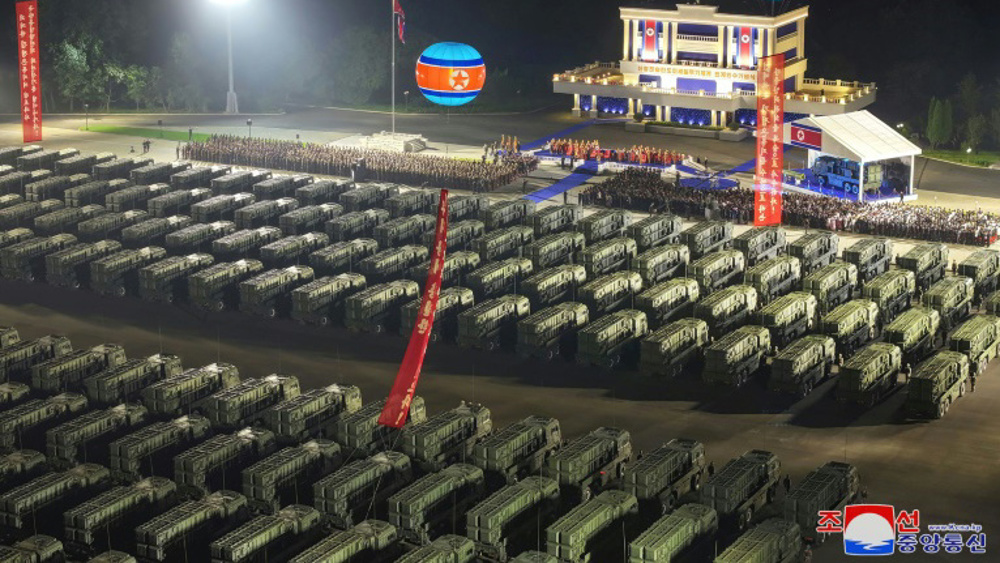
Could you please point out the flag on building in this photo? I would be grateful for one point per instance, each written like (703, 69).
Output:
(806, 137)
(397, 10)
(650, 39)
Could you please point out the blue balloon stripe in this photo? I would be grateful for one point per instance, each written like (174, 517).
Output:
(451, 63)
(449, 94)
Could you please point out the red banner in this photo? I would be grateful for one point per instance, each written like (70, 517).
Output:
(397, 406)
(770, 137)
(28, 55)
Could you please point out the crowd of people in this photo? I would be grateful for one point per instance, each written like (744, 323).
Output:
(592, 150)
(372, 165)
(646, 190)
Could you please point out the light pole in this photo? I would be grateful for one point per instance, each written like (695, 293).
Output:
(86, 109)
(406, 96)
(232, 106)
(249, 128)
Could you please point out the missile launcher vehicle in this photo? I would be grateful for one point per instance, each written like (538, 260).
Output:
(216, 462)
(371, 540)
(717, 270)
(424, 509)
(135, 455)
(549, 332)
(134, 198)
(927, 261)
(584, 533)
(342, 257)
(356, 224)
(23, 214)
(322, 301)
(815, 250)
(662, 477)
(119, 168)
(509, 518)
(852, 325)
(263, 213)
(86, 437)
(239, 181)
(828, 487)
(604, 224)
(872, 257)
(589, 463)
(93, 193)
(279, 187)
(311, 413)
(176, 203)
(323, 191)
(413, 202)
(983, 267)
(518, 450)
(952, 298)
(269, 294)
(507, 213)
(123, 382)
(81, 163)
(451, 302)
(25, 261)
(832, 285)
(246, 404)
(612, 339)
(392, 263)
(936, 384)
(673, 347)
(915, 332)
(20, 466)
(707, 236)
(460, 234)
(118, 274)
(179, 394)
(789, 317)
(503, 243)
(462, 207)
(553, 285)
(24, 425)
(198, 177)
(197, 238)
(217, 287)
(892, 291)
(761, 243)
(556, 219)
(681, 533)
(446, 438)
(70, 267)
(554, 250)
(608, 256)
(153, 231)
(65, 220)
(456, 266)
(220, 207)
(369, 196)
(38, 504)
(496, 279)
(662, 263)
(377, 308)
(275, 479)
(404, 230)
(361, 431)
(774, 540)
(656, 230)
(292, 250)
(727, 309)
(446, 549)
(492, 323)
(979, 339)
(668, 301)
(737, 356)
(362, 487)
(742, 487)
(12, 393)
(308, 218)
(157, 172)
(166, 281)
(802, 365)
(610, 292)
(870, 374)
(272, 537)
(18, 359)
(175, 534)
(774, 277)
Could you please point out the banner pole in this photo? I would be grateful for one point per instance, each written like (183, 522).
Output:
(392, 38)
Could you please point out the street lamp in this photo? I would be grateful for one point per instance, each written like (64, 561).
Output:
(232, 106)
(86, 108)
(406, 96)
(249, 128)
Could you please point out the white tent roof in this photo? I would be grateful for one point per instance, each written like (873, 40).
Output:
(860, 136)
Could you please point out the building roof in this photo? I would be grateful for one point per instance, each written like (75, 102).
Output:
(860, 136)
(707, 14)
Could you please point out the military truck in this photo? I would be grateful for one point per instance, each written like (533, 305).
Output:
(727, 309)
(365, 197)
(14, 236)
(357, 224)
(239, 181)
(10, 200)
(134, 198)
(589, 463)
(832, 285)
(462, 207)
(263, 213)
(612, 339)
(12, 393)
(668, 301)
(553, 285)
(93, 193)
(498, 278)
(70, 267)
(197, 238)
(717, 270)
(451, 302)
(109, 225)
(123, 382)
(774, 277)
(952, 298)
(25, 261)
(492, 323)
(892, 291)
(707, 236)
(392, 263)
(852, 325)
(157, 172)
(176, 203)
(53, 187)
(413, 202)
(153, 231)
(661, 263)
(979, 339)
(508, 519)
(179, 394)
(171, 535)
(660, 478)
(404, 230)
(936, 384)
(815, 250)
(983, 267)
(742, 487)
(829, 487)
(246, 403)
(118, 274)
(556, 219)
(655, 230)
(119, 168)
(774, 540)
(737, 356)
(376, 309)
(533, 556)
(38, 505)
(308, 218)
(311, 413)
(673, 347)
(587, 530)
(503, 243)
(789, 317)
(456, 266)
(21, 466)
(429, 505)
(271, 537)
(198, 177)
(23, 214)
(281, 186)
(761, 243)
(273, 481)
(607, 256)
(872, 257)
(802, 365)
(549, 332)
(218, 286)
(446, 438)
(67, 372)
(683, 532)
(928, 262)
(604, 224)
(342, 257)
(610, 292)
(292, 250)
(218, 460)
(17, 360)
(460, 234)
(507, 213)
(374, 540)
(269, 294)
(24, 426)
(869, 375)
(323, 191)
(518, 450)
(361, 488)
(86, 437)
(915, 332)
(991, 304)
(166, 280)
(220, 207)
(65, 220)
(322, 300)
(43, 159)
(81, 164)
(553, 250)
(8, 336)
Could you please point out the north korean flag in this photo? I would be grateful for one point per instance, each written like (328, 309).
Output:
(649, 40)
(745, 39)
(806, 137)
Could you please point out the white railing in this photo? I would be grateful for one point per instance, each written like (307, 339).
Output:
(705, 64)
(789, 36)
(705, 38)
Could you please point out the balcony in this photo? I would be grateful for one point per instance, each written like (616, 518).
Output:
(703, 38)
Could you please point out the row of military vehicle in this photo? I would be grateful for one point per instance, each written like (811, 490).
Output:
(417, 509)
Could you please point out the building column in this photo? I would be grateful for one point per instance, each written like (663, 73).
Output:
(720, 51)
(715, 118)
(576, 105)
(911, 189)
(861, 182)
(625, 38)
(673, 45)
(593, 106)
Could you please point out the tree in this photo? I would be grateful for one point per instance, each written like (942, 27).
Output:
(358, 63)
(934, 131)
(976, 130)
(995, 126)
(112, 77)
(154, 92)
(183, 76)
(970, 95)
(136, 79)
(73, 72)
(947, 123)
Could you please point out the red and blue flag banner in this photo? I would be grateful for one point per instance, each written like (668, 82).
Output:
(650, 41)
(30, 70)
(770, 137)
(744, 36)
(397, 406)
(400, 16)
(806, 136)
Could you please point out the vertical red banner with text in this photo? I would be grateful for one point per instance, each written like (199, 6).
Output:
(770, 140)
(397, 406)
(31, 71)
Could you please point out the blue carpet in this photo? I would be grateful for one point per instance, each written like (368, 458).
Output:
(580, 175)
(538, 143)
(750, 165)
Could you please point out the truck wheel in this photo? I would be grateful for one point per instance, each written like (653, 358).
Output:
(219, 306)
(550, 355)
(805, 390)
(120, 292)
(169, 299)
(961, 390)
(378, 329)
(941, 410)
(75, 285)
(271, 312)
(324, 320)
(491, 345)
(696, 482)
(435, 337)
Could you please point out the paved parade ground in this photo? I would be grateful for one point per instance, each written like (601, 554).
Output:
(948, 469)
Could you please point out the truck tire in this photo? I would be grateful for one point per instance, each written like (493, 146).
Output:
(169, 298)
(805, 389)
(75, 285)
(120, 291)
(218, 306)
(941, 410)
(324, 320)
(271, 312)
(378, 328)
(961, 390)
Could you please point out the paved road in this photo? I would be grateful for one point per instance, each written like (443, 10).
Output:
(947, 468)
